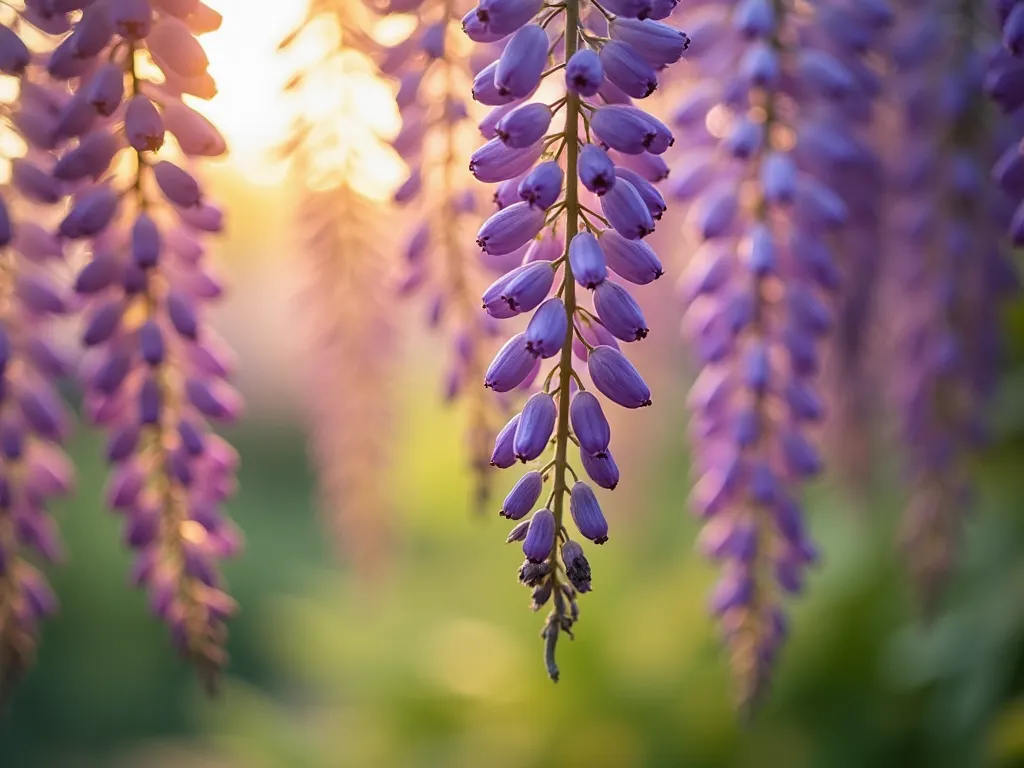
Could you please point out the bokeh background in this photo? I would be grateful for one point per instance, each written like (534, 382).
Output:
(435, 661)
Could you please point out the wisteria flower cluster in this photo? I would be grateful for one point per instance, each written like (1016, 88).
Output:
(550, 185)
(948, 264)
(153, 373)
(430, 65)
(771, 127)
(345, 301)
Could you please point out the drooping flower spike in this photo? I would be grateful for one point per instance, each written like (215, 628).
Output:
(33, 418)
(345, 256)
(949, 272)
(155, 373)
(1003, 83)
(763, 129)
(430, 68)
(572, 211)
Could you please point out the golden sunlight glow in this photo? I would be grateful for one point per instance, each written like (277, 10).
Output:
(250, 78)
(257, 116)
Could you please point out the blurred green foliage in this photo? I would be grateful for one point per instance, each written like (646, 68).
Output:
(438, 663)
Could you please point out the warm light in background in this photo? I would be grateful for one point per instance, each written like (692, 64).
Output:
(257, 116)
(250, 78)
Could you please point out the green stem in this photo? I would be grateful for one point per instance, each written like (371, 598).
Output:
(568, 289)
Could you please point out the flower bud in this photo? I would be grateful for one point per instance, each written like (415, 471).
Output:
(510, 366)
(542, 186)
(589, 424)
(178, 186)
(587, 260)
(150, 401)
(779, 178)
(103, 323)
(518, 532)
(522, 62)
(91, 212)
(523, 496)
(524, 126)
(503, 455)
(625, 67)
(14, 54)
(648, 192)
(546, 332)
(503, 17)
(596, 169)
(530, 286)
(151, 343)
(630, 130)
(619, 312)
(586, 513)
(145, 242)
(132, 19)
(601, 469)
(91, 158)
(659, 43)
(577, 569)
(105, 89)
(35, 183)
(540, 538)
(143, 125)
(616, 378)
(626, 211)
(536, 423)
(174, 45)
(510, 228)
(495, 161)
(632, 260)
(584, 73)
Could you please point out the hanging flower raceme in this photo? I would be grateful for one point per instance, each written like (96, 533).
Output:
(155, 373)
(947, 270)
(767, 127)
(33, 420)
(345, 303)
(1011, 19)
(839, 141)
(551, 183)
(1003, 83)
(431, 68)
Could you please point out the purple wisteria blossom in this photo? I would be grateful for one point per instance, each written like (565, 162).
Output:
(1011, 20)
(33, 418)
(347, 306)
(1004, 83)
(947, 268)
(33, 422)
(432, 88)
(154, 373)
(566, 206)
(769, 146)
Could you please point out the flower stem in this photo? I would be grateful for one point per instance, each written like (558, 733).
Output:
(557, 620)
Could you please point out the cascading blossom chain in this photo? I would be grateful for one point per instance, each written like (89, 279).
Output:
(33, 420)
(767, 125)
(345, 301)
(607, 58)
(949, 274)
(152, 379)
(432, 81)
(155, 374)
